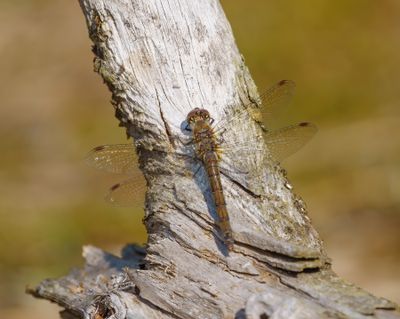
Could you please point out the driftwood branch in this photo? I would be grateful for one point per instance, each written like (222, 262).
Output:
(160, 60)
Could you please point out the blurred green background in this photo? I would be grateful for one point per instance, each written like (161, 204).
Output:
(344, 57)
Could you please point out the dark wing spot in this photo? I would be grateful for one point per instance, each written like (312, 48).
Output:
(282, 82)
(114, 187)
(304, 124)
(99, 148)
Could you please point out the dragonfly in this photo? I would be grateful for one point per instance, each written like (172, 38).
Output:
(210, 148)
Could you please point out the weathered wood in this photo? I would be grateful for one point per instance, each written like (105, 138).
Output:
(161, 59)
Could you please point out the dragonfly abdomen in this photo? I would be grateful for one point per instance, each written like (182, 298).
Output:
(210, 160)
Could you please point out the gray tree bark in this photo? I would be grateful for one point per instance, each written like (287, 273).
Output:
(160, 59)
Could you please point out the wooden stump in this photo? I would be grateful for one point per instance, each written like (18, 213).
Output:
(161, 59)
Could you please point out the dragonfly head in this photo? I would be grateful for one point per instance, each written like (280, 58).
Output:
(196, 115)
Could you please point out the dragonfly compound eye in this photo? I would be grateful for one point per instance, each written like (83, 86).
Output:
(204, 114)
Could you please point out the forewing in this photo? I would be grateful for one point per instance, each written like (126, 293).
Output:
(127, 193)
(116, 158)
(286, 141)
(275, 97)
(278, 94)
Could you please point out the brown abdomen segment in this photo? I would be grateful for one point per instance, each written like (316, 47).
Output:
(210, 160)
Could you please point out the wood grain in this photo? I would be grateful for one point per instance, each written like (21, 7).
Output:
(161, 59)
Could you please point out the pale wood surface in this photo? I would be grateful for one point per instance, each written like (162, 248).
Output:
(161, 59)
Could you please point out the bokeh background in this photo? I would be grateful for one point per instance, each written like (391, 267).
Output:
(344, 57)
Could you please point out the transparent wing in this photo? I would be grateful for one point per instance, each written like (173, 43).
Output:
(286, 141)
(127, 193)
(280, 143)
(116, 158)
(275, 97)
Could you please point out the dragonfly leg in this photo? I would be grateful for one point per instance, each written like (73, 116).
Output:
(221, 139)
